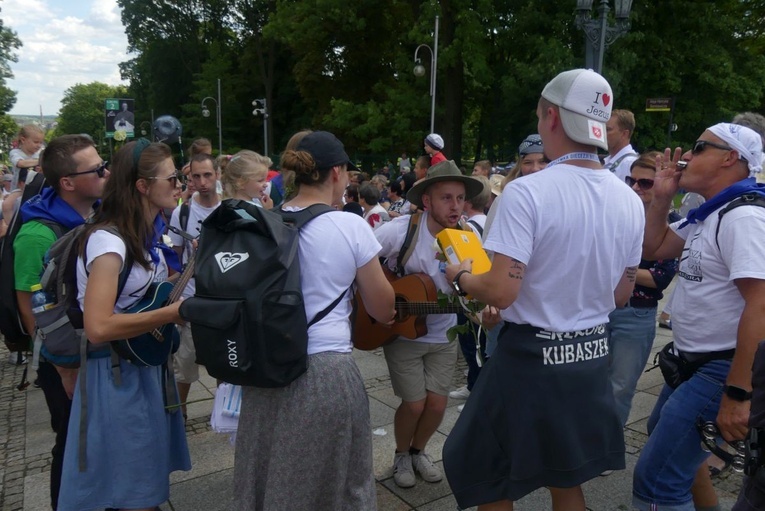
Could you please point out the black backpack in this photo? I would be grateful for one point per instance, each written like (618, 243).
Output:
(248, 317)
(16, 338)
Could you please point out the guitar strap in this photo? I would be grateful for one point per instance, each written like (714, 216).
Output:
(410, 241)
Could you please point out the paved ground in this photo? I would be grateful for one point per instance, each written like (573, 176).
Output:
(26, 440)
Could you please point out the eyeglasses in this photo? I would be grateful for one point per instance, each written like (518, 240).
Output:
(100, 171)
(700, 145)
(643, 184)
(174, 179)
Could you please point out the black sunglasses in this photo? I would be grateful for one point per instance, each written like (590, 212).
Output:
(100, 171)
(643, 184)
(700, 145)
(173, 179)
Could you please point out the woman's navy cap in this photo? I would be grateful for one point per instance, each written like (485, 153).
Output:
(326, 149)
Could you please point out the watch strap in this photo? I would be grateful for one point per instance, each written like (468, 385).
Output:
(737, 393)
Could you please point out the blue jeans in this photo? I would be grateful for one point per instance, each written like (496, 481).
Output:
(631, 334)
(668, 463)
(467, 344)
(491, 338)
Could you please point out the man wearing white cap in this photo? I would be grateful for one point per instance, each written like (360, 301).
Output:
(566, 250)
(717, 317)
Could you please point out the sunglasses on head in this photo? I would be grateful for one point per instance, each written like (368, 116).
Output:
(700, 145)
(100, 171)
(643, 184)
(173, 179)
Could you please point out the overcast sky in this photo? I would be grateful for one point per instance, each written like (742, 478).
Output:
(65, 42)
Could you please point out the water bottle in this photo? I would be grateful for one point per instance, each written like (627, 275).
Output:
(40, 299)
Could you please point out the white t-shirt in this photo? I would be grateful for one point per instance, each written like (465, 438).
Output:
(706, 304)
(479, 220)
(576, 229)
(16, 155)
(197, 215)
(139, 280)
(423, 260)
(623, 169)
(332, 246)
(377, 216)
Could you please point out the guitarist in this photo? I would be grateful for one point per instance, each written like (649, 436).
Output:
(188, 217)
(125, 443)
(421, 369)
(77, 176)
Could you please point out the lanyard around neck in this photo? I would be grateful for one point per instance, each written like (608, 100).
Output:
(575, 156)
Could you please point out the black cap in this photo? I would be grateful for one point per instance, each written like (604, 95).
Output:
(326, 149)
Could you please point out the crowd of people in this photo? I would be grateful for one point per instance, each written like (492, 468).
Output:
(582, 250)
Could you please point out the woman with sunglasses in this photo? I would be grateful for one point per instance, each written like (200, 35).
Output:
(633, 327)
(131, 443)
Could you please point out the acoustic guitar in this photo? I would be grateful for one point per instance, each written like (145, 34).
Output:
(153, 348)
(416, 297)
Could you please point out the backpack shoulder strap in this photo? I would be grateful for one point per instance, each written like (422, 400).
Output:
(184, 214)
(477, 227)
(58, 229)
(410, 241)
(299, 218)
(612, 166)
(748, 199)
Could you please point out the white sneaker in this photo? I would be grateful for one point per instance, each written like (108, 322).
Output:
(606, 473)
(403, 473)
(460, 393)
(461, 407)
(13, 359)
(424, 465)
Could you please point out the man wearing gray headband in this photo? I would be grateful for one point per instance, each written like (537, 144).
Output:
(716, 310)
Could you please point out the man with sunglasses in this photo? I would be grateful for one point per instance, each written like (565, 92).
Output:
(188, 217)
(76, 176)
(717, 306)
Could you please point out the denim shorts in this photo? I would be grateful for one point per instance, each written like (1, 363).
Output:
(668, 463)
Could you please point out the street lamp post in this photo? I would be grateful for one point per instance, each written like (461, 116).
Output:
(261, 107)
(419, 70)
(599, 34)
(218, 118)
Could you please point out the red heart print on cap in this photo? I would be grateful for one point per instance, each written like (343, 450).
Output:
(606, 99)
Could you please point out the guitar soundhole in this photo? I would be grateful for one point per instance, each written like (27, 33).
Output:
(401, 312)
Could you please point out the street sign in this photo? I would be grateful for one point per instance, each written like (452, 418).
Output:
(658, 105)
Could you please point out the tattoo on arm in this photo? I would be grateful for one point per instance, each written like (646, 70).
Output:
(517, 269)
(631, 273)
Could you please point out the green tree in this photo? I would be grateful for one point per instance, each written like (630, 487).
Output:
(9, 42)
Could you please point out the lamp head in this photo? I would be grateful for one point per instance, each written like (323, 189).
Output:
(205, 112)
(622, 8)
(419, 69)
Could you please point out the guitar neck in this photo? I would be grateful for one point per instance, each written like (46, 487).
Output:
(422, 308)
(182, 281)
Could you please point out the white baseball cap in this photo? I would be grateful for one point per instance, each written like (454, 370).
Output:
(585, 100)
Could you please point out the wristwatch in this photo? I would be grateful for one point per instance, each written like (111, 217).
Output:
(456, 283)
(737, 393)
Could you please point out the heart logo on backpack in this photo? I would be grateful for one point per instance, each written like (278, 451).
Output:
(227, 260)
